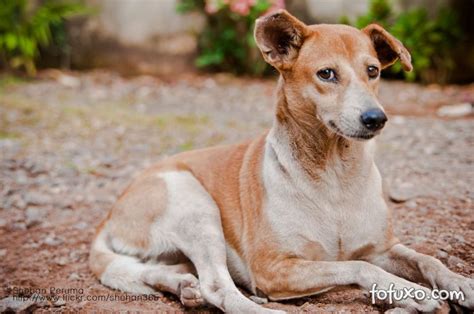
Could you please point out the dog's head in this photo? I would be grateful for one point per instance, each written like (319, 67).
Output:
(335, 69)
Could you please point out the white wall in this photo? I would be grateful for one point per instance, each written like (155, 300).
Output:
(329, 11)
(139, 21)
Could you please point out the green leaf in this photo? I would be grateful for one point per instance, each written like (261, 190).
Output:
(208, 59)
(11, 41)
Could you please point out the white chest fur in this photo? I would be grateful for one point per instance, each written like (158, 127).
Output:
(328, 219)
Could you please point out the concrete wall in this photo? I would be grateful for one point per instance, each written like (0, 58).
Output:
(329, 11)
(140, 21)
(135, 36)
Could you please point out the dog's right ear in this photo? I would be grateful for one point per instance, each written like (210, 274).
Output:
(279, 36)
(388, 48)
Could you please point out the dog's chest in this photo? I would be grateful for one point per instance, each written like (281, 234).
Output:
(330, 221)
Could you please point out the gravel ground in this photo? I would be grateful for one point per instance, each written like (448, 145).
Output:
(70, 143)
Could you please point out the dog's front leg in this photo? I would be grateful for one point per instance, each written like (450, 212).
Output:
(293, 277)
(407, 263)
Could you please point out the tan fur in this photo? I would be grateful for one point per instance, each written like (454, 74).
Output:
(147, 195)
(98, 261)
(233, 172)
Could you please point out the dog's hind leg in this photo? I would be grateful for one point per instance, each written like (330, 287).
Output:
(130, 274)
(176, 279)
(199, 235)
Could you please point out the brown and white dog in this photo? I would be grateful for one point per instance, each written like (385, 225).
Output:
(291, 213)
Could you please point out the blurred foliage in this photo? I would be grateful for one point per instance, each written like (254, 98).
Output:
(28, 26)
(431, 41)
(227, 43)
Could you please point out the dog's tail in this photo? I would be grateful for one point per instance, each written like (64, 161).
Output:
(115, 270)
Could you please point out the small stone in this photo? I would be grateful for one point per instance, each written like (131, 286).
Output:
(442, 254)
(52, 240)
(456, 111)
(459, 238)
(60, 302)
(15, 304)
(402, 193)
(3, 253)
(34, 216)
(35, 198)
(19, 202)
(411, 204)
(74, 276)
(31, 245)
(448, 248)
(419, 239)
(7, 203)
(455, 261)
(22, 177)
(33, 167)
(17, 226)
(429, 149)
(75, 255)
(108, 161)
(61, 261)
(21, 304)
(3, 223)
(81, 225)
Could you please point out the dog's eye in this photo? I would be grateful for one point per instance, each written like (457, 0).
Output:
(372, 71)
(327, 75)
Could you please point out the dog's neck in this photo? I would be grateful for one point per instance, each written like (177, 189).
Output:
(316, 148)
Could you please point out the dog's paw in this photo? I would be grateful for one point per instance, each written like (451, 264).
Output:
(407, 297)
(413, 305)
(461, 289)
(190, 292)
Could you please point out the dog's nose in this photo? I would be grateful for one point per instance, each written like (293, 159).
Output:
(373, 119)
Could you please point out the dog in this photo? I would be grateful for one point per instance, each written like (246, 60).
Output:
(291, 213)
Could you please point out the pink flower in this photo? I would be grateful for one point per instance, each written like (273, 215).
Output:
(241, 7)
(212, 6)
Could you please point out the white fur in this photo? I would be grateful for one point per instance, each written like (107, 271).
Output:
(125, 273)
(331, 211)
(239, 271)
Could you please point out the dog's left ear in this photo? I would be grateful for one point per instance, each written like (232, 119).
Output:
(279, 36)
(388, 48)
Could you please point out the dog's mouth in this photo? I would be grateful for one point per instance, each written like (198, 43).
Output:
(356, 136)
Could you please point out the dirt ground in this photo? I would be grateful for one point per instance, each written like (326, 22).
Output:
(70, 143)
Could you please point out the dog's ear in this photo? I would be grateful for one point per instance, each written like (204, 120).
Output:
(388, 48)
(279, 36)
